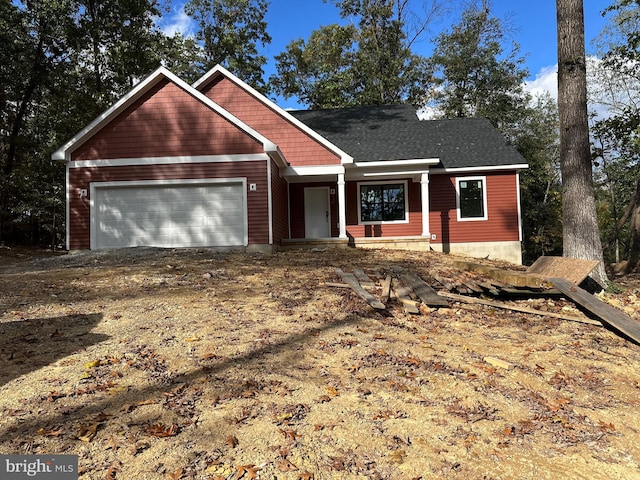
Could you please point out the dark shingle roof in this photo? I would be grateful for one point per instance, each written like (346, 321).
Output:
(395, 133)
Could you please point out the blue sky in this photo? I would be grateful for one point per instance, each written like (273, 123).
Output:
(533, 23)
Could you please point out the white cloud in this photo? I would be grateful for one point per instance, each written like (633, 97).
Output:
(546, 81)
(177, 22)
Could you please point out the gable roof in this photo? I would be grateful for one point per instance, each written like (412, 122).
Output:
(64, 152)
(219, 70)
(382, 133)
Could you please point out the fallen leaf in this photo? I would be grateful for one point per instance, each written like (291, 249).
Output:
(177, 475)
(289, 434)
(285, 465)
(250, 470)
(87, 432)
(159, 430)
(50, 432)
(232, 441)
(305, 476)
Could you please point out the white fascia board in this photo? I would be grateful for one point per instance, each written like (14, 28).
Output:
(345, 158)
(496, 168)
(394, 164)
(312, 171)
(115, 162)
(64, 152)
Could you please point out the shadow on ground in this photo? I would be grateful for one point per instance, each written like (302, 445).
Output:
(29, 344)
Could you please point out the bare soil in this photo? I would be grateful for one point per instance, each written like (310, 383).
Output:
(191, 364)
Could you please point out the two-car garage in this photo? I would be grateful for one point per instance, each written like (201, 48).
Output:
(169, 213)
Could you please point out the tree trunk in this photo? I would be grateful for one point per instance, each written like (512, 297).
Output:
(581, 237)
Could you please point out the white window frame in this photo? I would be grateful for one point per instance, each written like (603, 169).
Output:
(485, 217)
(384, 222)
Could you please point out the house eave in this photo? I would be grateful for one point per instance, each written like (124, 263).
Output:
(483, 168)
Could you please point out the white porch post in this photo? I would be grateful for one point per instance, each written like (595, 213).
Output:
(424, 195)
(342, 206)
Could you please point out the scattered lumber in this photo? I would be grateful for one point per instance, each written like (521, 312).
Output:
(610, 316)
(363, 278)
(575, 270)
(512, 277)
(496, 362)
(493, 303)
(386, 289)
(425, 293)
(351, 280)
(402, 294)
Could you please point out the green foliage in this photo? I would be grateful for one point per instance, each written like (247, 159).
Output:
(229, 33)
(475, 74)
(366, 62)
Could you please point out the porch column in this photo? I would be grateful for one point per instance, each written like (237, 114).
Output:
(424, 195)
(342, 206)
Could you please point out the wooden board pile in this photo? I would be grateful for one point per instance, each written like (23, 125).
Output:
(476, 283)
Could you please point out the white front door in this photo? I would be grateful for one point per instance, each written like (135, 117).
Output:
(317, 215)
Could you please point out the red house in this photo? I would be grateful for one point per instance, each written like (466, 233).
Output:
(217, 164)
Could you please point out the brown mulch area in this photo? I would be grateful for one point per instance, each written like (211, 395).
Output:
(191, 364)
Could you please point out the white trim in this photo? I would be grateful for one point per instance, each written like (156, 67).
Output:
(64, 152)
(485, 217)
(384, 222)
(269, 202)
(67, 209)
(342, 206)
(306, 210)
(520, 232)
(424, 198)
(312, 171)
(399, 163)
(220, 70)
(496, 168)
(115, 162)
(145, 183)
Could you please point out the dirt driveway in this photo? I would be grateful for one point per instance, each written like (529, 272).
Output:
(163, 364)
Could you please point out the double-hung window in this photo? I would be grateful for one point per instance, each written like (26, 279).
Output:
(383, 202)
(472, 198)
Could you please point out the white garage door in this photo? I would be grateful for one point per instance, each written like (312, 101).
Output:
(171, 214)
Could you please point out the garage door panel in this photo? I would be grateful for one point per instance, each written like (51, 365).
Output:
(170, 216)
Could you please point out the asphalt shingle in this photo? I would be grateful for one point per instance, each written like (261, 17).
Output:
(395, 133)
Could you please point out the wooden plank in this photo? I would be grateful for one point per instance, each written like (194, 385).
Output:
(363, 278)
(515, 308)
(425, 293)
(350, 279)
(573, 269)
(402, 294)
(386, 289)
(512, 277)
(610, 316)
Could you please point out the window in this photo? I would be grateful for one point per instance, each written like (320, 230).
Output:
(472, 198)
(383, 202)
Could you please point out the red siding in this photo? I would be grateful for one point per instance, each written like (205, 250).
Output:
(502, 210)
(254, 172)
(296, 193)
(413, 228)
(166, 121)
(298, 147)
(280, 205)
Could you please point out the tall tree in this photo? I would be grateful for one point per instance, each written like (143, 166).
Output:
(476, 72)
(368, 61)
(617, 78)
(581, 235)
(230, 33)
